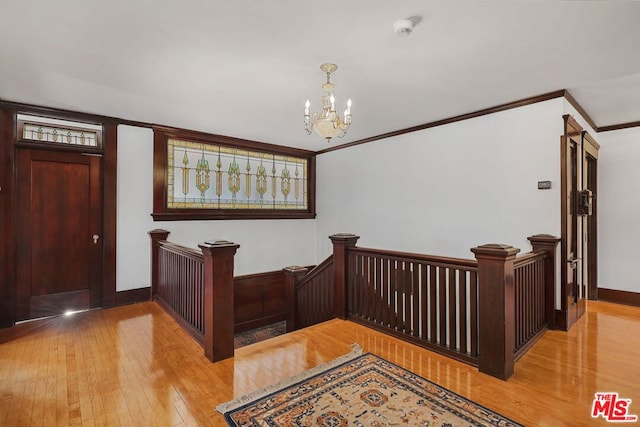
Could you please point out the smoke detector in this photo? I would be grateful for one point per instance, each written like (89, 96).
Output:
(403, 27)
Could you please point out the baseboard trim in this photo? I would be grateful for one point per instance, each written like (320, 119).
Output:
(620, 297)
(132, 296)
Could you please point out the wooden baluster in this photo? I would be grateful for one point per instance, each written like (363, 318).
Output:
(292, 276)
(453, 299)
(156, 236)
(473, 312)
(342, 270)
(462, 308)
(496, 326)
(393, 291)
(374, 271)
(442, 305)
(386, 312)
(416, 294)
(424, 308)
(433, 303)
(218, 297)
(371, 288)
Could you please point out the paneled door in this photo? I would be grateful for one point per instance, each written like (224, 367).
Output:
(59, 228)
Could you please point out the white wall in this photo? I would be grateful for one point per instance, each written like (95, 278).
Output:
(265, 245)
(618, 208)
(135, 201)
(447, 189)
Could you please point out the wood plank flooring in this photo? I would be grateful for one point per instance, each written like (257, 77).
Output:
(134, 366)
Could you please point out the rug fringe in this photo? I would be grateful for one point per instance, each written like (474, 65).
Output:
(255, 395)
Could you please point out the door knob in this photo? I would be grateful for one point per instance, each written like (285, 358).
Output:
(95, 239)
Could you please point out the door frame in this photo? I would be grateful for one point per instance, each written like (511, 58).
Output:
(8, 138)
(591, 149)
(569, 312)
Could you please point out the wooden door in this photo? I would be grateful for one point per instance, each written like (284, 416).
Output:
(59, 229)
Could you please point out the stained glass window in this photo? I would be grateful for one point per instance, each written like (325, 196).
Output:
(43, 133)
(220, 181)
(59, 132)
(205, 176)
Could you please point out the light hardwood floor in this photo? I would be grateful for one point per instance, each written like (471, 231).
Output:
(134, 366)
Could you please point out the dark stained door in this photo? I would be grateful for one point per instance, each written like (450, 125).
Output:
(59, 228)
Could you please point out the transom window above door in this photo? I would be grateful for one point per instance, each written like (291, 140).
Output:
(60, 133)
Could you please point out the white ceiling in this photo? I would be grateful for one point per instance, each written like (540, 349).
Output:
(245, 67)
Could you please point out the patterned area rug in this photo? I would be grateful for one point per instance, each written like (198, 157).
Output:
(359, 390)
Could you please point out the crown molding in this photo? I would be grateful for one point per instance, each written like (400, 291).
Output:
(515, 104)
(619, 126)
(579, 109)
(479, 113)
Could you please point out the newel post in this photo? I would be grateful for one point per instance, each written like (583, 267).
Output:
(156, 236)
(218, 299)
(496, 309)
(292, 277)
(341, 244)
(549, 244)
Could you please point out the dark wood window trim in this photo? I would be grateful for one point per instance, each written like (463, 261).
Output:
(160, 178)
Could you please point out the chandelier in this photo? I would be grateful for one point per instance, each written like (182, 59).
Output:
(327, 123)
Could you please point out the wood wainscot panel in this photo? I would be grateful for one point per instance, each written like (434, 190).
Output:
(259, 300)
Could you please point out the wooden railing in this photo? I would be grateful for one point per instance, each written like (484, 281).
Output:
(310, 294)
(429, 300)
(196, 288)
(180, 286)
(485, 312)
(529, 298)
(534, 292)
